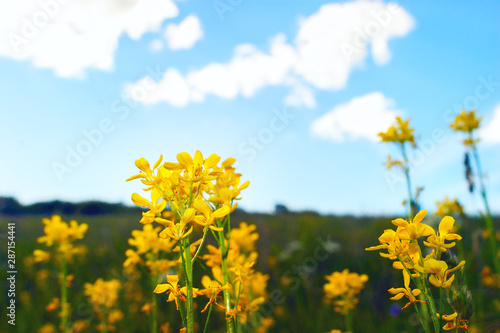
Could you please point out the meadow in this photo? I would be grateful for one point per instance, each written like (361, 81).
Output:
(286, 245)
(189, 260)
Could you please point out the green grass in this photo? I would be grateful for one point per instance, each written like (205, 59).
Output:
(288, 240)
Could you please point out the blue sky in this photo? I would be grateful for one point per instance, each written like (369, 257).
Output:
(229, 75)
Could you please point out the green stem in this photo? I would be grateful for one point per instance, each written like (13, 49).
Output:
(200, 246)
(189, 286)
(225, 277)
(348, 321)
(408, 181)
(426, 329)
(208, 317)
(64, 296)
(183, 314)
(423, 289)
(154, 312)
(432, 309)
(488, 219)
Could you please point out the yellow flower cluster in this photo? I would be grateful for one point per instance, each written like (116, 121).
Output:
(201, 192)
(196, 189)
(449, 207)
(400, 132)
(147, 243)
(402, 245)
(454, 322)
(248, 285)
(467, 122)
(342, 288)
(103, 295)
(62, 235)
(59, 237)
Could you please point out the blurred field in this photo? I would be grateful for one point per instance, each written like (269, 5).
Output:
(296, 249)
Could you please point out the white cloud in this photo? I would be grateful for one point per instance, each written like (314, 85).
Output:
(172, 88)
(301, 96)
(336, 38)
(490, 133)
(328, 45)
(72, 36)
(185, 34)
(247, 72)
(362, 117)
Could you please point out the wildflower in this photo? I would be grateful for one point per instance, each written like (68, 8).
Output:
(47, 328)
(439, 270)
(406, 291)
(103, 293)
(41, 256)
(147, 174)
(212, 291)
(155, 208)
(173, 290)
(345, 285)
(466, 121)
(400, 132)
(80, 325)
(392, 163)
(208, 217)
(454, 322)
(244, 236)
(445, 228)
(133, 258)
(449, 207)
(58, 231)
(53, 305)
(415, 229)
(393, 242)
(195, 168)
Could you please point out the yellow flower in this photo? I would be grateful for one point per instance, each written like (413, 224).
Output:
(155, 208)
(244, 236)
(212, 291)
(345, 285)
(147, 174)
(395, 242)
(439, 270)
(208, 217)
(466, 121)
(265, 325)
(103, 293)
(148, 239)
(438, 241)
(174, 291)
(195, 169)
(259, 283)
(80, 325)
(406, 291)
(448, 207)
(400, 132)
(58, 231)
(53, 305)
(41, 256)
(115, 316)
(392, 163)
(132, 258)
(47, 328)
(415, 229)
(454, 322)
